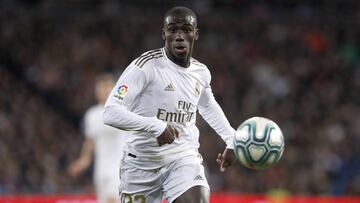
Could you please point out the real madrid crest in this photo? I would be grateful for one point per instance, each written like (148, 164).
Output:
(197, 88)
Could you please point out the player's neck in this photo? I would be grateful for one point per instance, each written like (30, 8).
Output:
(102, 102)
(183, 62)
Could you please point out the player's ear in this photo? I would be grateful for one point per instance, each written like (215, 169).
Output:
(196, 34)
(163, 33)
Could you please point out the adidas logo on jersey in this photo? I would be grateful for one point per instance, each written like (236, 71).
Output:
(198, 177)
(169, 88)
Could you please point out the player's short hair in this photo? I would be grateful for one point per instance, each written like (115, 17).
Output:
(180, 9)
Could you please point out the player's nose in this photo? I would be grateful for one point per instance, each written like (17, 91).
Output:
(179, 36)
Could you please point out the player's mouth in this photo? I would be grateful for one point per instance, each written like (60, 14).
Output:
(180, 48)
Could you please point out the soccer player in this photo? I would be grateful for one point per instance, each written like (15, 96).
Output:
(103, 141)
(156, 98)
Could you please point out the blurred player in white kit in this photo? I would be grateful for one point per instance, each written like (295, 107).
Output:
(156, 99)
(104, 143)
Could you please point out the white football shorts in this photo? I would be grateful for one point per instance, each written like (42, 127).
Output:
(107, 186)
(170, 181)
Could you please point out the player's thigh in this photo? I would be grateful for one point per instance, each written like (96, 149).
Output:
(182, 176)
(140, 186)
(196, 194)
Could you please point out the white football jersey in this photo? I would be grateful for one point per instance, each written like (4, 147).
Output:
(154, 92)
(109, 143)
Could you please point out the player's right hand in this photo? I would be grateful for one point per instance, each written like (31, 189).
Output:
(168, 136)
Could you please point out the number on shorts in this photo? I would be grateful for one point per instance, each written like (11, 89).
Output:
(138, 198)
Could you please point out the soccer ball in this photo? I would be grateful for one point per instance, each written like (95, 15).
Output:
(258, 143)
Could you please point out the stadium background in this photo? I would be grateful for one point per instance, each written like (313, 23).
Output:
(293, 61)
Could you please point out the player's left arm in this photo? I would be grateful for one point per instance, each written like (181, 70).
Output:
(85, 158)
(212, 113)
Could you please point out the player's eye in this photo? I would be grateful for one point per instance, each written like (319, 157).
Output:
(172, 29)
(187, 30)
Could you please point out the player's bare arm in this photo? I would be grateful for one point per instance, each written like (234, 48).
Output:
(84, 161)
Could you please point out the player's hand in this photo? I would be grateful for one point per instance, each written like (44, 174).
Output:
(168, 136)
(226, 159)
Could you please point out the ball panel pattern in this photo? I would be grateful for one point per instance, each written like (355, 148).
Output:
(258, 143)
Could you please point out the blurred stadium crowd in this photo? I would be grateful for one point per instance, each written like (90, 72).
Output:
(295, 62)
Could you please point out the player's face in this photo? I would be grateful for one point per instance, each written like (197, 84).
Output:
(180, 33)
(103, 90)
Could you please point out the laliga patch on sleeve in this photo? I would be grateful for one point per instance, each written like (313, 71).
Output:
(121, 91)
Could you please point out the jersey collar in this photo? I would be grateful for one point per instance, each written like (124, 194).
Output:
(172, 64)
